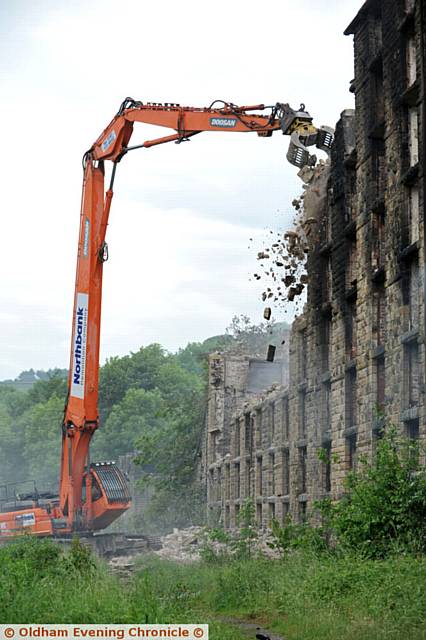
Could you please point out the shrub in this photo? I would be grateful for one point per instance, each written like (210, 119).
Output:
(79, 560)
(384, 507)
(221, 545)
(243, 542)
(297, 536)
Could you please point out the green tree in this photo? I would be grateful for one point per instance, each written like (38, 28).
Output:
(135, 371)
(14, 402)
(138, 412)
(55, 384)
(42, 440)
(173, 450)
(177, 384)
(12, 460)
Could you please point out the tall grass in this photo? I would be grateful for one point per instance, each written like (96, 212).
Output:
(304, 596)
(40, 583)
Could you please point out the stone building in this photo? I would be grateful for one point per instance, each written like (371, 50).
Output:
(357, 354)
(235, 381)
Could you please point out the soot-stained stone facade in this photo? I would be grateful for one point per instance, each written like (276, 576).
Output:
(357, 354)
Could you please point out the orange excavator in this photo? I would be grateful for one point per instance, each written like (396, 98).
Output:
(92, 495)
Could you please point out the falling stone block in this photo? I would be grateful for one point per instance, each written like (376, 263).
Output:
(271, 353)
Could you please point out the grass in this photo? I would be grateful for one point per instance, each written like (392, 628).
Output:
(39, 584)
(302, 597)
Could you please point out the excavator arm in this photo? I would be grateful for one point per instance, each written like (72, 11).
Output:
(81, 419)
(112, 144)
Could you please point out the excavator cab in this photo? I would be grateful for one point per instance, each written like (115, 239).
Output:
(106, 494)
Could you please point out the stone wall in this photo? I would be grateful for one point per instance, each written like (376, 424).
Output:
(239, 422)
(357, 357)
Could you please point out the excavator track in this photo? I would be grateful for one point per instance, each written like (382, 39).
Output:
(110, 545)
(106, 545)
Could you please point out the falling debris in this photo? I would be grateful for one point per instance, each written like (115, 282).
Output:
(267, 313)
(283, 259)
(271, 353)
(262, 255)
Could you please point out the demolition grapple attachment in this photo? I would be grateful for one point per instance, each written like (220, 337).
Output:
(303, 134)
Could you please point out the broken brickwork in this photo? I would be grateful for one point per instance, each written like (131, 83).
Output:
(357, 356)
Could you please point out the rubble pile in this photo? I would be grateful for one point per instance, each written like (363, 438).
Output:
(186, 545)
(182, 545)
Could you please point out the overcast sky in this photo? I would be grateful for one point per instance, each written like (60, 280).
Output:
(182, 215)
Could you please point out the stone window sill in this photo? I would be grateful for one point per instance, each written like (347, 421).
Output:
(351, 364)
(412, 413)
(379, 423)
(377, 352)
(350, 431)
(409, 252)
(409, 336)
